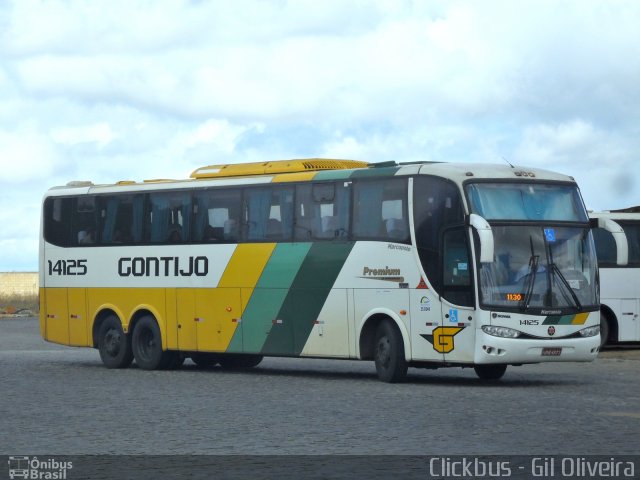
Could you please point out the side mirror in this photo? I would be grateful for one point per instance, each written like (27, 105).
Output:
(622, 247)
(485, 234)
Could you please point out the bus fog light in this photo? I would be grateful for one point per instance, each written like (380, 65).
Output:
(504, 332)
(590, 331)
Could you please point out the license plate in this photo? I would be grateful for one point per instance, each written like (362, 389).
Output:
(551, 351)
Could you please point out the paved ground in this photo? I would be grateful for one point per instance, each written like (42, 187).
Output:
(61, 401)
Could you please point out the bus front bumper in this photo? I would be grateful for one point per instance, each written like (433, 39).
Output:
(490, 349)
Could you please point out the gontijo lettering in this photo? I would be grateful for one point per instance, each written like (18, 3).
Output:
(163, 266)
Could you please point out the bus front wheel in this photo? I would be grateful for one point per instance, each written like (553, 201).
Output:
(490, 372)
(113, 344)
(146, 342)
(391, 365)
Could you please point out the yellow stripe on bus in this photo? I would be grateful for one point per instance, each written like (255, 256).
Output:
(580, 318)
(240, 276)
(245, 267)
(294, 177)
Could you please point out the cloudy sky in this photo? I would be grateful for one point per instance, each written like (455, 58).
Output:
(123, 89)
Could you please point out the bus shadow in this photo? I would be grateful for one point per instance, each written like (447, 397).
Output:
(414, 377)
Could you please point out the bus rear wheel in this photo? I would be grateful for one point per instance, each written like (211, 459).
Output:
(490, 372)
(391, 365)
(113, 344)
(146, 343)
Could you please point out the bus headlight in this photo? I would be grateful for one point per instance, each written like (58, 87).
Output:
(590, 331)
(504, 332)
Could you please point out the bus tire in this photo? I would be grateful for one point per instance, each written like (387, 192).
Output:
(205, 359)
(239, 360)
(391, 365)
(113, 344)
(490, 372)
(605, 330)
(146, 343)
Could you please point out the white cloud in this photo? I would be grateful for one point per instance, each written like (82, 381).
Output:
(602, 161)
(26, 155)
(99, 133)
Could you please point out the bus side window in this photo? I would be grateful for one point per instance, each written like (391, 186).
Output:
(605, 247)
(307, 216)
(322, 211)
(437, 205)
(456, 281)
(85, 220)
(170, 217)
(632, 231)
(380, 211)
(268, 213)
(122, 219)
(217, 215)
(58, 221)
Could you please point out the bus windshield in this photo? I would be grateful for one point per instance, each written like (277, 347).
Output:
(526, 201)
(540, 267)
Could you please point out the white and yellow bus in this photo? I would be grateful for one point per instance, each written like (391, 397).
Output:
(409, 265)
(620, 281)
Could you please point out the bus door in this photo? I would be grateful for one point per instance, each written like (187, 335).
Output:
(456, 337)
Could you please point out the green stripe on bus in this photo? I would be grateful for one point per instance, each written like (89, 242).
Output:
(333, 175)
(558, 320)
(268, 296)
(306, 297)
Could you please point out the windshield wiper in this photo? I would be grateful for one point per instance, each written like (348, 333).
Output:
(555, 269)
(531, 277)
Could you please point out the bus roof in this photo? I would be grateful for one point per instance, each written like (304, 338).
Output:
(321, 169)
(461, 172)
(279, 166)
(631, 213)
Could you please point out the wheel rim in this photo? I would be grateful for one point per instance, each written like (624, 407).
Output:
(383, 352)
(112, 342)
(147, 344)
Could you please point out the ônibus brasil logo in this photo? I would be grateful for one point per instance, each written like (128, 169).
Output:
(40, 469)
